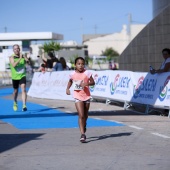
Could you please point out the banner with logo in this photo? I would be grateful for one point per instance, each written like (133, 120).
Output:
(113, 85)
(151, 89)
(135, 87)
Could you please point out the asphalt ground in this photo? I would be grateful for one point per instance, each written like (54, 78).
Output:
(117, 139)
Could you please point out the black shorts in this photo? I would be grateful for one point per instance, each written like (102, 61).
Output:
(16, 83)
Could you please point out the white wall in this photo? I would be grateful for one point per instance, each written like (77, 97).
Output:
(118, 41)
(135, 29)
(10, 43)
(35, 50)
(2, 62)
(4, 59)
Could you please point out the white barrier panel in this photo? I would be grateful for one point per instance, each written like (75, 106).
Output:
(127, 86)
(151, 89)
(50, 85)
(112, 84)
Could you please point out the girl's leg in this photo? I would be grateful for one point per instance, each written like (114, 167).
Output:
(80, 109)
(86, 109)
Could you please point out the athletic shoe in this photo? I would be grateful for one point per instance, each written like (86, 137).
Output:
(83, 138)
(24, 108)
(15, 106)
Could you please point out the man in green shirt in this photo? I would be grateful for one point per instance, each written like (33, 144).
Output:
(18, 73)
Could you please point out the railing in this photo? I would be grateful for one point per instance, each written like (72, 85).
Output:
(125, 86)
(5, 78)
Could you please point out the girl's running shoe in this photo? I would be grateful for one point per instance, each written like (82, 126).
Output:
(83, 138)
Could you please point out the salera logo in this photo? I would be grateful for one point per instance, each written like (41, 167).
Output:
(92, 87)
(136, 89)
(113, 85)
(164, 90)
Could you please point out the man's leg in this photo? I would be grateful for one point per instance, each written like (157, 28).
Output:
(23, 93)
(15, 95)
(15, 84)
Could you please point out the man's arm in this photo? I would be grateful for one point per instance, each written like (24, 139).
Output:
(12, 62)
(27, 58)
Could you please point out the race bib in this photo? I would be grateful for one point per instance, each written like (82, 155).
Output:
(20, 70)
(76, 85)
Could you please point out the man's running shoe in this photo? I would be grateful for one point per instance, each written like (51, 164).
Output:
(83, 138)
(24, 108)
(15, 106)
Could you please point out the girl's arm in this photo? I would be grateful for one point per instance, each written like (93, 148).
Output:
(68, 87)
(89, 83)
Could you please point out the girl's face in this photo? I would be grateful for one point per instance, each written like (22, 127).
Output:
(80, 65)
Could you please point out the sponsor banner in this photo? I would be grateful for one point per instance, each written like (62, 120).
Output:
(112, 84)
(137, 87)
(151, 89)
(101, 79)
(39, 86)
(144, 88)
(50, 85)
(163, 90)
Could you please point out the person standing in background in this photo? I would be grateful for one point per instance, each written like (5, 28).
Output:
(165, 67)
(64, 64)
(50, 63)
(58, 66)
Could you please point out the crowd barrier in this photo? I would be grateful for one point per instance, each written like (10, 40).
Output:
(5, 78)
(125, 86)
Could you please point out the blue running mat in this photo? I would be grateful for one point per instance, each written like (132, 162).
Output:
(41, 117)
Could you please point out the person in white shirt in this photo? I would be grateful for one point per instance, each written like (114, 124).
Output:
(165, 67)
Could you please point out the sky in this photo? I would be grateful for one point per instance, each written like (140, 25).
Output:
(72, 18)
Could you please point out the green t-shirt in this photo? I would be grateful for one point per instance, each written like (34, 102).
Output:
(19, 70)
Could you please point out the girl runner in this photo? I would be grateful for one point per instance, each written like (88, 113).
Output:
(81, 80)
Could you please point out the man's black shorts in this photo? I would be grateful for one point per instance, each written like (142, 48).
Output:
(16, 83)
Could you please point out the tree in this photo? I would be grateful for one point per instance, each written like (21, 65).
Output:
(51, 47)
(110, 53)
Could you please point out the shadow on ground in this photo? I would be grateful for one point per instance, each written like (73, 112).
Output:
(96, 138)
(133, 111)
(9, 141)
(119, 113)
